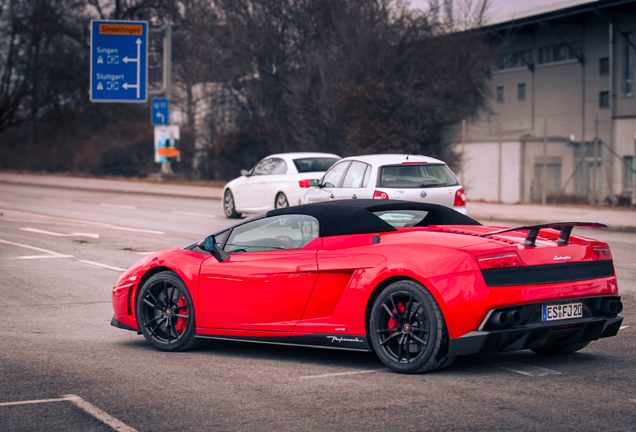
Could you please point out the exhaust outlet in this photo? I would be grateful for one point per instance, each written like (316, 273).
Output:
(514, 317)
(611, 307)
(499, 319)
(619, 306)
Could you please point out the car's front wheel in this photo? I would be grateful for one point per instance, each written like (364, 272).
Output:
(228, 205)
(165, 313)
(281, 201)
(407, 329)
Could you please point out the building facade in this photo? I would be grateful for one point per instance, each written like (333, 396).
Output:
(561, 125)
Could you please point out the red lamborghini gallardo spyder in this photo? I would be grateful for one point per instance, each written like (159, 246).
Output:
(417, 283)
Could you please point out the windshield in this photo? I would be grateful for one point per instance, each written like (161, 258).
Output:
(416, 176)
(314, 164)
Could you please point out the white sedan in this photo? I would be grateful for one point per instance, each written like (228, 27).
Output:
(389, 176)
(274, 182)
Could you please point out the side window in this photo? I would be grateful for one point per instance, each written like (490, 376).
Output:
(355, 175)
(333, 176)
(282, 232)
(367, 176)
(269, 166)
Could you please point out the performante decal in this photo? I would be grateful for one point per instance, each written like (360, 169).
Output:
(341, 339)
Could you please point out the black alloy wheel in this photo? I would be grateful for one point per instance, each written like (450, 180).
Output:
(165, 313)
(228, 205)
(281, 201)
(407, 329)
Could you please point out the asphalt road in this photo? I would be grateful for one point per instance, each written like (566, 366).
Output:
(63, 367)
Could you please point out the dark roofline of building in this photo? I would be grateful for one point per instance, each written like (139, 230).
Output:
(597, 7)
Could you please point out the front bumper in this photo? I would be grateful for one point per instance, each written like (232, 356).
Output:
(533, 333)
(116, 323)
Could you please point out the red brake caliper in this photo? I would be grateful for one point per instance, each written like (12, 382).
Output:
(394, 323)
(181, 322)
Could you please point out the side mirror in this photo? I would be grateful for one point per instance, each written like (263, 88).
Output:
(314, 183)
(245, 173)
(209, 245)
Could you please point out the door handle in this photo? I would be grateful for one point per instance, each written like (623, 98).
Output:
(331, 196)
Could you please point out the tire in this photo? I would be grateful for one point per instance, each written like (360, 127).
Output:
(281, 201)
(561, 349)
(165, 313)
(407, 329)
(229, 208)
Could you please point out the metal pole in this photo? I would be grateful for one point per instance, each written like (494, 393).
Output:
(463, 166)
(499, 173)
(544, 180)
(166, 169)
(595, 143)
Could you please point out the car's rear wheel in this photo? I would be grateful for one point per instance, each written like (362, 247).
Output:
(281, 201)
(165, 313)
(407, 329)
(228, 205)
(561, 349)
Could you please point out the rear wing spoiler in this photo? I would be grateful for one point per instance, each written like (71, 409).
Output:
(533, 231)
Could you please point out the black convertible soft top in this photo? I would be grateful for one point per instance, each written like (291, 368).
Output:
(356, 216)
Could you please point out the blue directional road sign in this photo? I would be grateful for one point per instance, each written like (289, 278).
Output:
(119, 61)
(160, 111)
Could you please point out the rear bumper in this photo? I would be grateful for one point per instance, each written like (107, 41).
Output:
(535, 336)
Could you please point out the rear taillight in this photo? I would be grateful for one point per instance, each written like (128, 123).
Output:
(602, 253)
(509, 259)
(380, 195)
(304, 183)
(460, 198)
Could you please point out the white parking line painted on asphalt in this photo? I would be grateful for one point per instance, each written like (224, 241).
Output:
(144, 253)
(106, 266)
(529, 370)
(194, 214)
(87, 407)
(19, 216)
(32, 402)
(121, 206)
(623, 327)
(100, 415)
(136, 230)
(39, 231)
(339, 374)
(43, 256)
(51, 253)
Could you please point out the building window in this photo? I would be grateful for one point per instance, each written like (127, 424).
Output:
(628, 67)
(500, 94)
(603, 66)
(515, 59)
(628, 169)
(558, 53)
(521, 91)
(603, 99)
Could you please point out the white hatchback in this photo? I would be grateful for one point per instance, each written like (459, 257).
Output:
(389, 176)
(274, 182)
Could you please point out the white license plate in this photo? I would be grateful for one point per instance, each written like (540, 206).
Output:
(562, 311)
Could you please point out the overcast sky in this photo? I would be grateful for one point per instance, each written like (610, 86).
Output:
(510, 8)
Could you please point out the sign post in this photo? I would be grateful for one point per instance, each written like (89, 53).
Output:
(119, 61)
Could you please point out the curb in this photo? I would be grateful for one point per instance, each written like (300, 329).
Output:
(116, 190)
